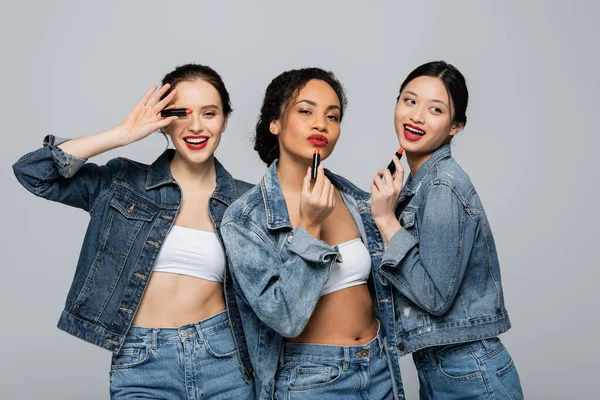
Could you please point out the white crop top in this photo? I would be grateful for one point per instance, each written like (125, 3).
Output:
(353, 270)
(192, 252)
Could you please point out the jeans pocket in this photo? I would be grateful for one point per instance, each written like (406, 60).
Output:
(311, 375)
(219, 342)
(130, 355)
(509, 377)
(460, 367)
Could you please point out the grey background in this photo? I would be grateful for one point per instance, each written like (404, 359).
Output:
(530, 146)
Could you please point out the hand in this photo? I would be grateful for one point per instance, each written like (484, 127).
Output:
(145, 117)
(316, 203)
(385, 191)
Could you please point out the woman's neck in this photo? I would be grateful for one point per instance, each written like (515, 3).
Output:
(291, 172)
(201, 176)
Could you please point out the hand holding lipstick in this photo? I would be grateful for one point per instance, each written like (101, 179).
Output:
(145, 117)
(385, 191)
(316, 202)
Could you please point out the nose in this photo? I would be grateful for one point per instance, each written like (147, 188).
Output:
(320, 123)
(195, 125)
(417, 115)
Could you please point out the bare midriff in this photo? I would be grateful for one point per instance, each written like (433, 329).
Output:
(172, 300)
(341, 318)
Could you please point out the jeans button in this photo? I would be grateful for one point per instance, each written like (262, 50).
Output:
(289, 238)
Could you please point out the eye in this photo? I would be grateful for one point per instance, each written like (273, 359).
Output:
(436, 110)
(209, 114)
(304, 111)
(410, 101)
(333, 118)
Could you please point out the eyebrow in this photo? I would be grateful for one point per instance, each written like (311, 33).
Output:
(312, 103)
(433, 101)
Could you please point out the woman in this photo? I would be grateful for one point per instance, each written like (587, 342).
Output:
(441, 257)
(301, 257)
(151, 284)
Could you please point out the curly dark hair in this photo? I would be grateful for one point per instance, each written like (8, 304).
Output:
(278, 96)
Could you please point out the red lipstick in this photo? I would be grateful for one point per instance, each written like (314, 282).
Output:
(195, 142)
(413, 133)
(318, 140)
(175, 112)
(392, 166)
(315, 163)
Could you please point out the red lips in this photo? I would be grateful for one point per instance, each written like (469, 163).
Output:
(196, 142)
(318, 140)
(413, 133)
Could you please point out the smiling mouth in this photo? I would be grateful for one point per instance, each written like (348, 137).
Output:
(195, 141)
(414, 130)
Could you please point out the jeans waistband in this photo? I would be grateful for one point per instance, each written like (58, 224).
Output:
(360, 353)
(432, 354)
(194, 331)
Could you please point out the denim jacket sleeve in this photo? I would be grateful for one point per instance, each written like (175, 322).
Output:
(55, 175)
(430, 269)
(283, 294)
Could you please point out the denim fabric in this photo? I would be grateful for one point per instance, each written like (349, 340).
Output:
(481, 370)
(132, 207)
(315, 371)
(194, 361)
(279, 273)
(443, 262)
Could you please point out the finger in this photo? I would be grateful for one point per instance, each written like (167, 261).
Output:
(326, 191)
(147, 96)
(387, 175)
(144, 100)
(374, 189)
(332, 197)
(378, 182)
(399, 175)
(164, 122)
(320, 181)
(306, 183)
(157, 95)
(163, 103)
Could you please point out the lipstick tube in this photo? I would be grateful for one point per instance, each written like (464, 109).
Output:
(315, 163)
(392, 166)
(175, 112)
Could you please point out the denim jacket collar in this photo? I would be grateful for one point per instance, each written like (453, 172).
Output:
(413, 182)
(160, 174)
(275, 205)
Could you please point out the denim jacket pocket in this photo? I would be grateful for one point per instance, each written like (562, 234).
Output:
(408, 221)
(126, 217)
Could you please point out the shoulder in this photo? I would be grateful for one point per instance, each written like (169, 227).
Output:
(246, 206)
(449, 173)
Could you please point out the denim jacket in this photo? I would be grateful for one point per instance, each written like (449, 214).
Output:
(279, 272)
(132, 207)
(443, 262)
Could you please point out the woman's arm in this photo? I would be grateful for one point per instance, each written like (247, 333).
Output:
(283, 294)
(429, 271)
(58, 171)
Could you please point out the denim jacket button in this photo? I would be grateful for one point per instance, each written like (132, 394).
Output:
(215, 202)
(289, 238)
(401, 346)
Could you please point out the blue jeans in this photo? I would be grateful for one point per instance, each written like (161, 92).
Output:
(190, 362)
(473, 370)
(315, 371)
